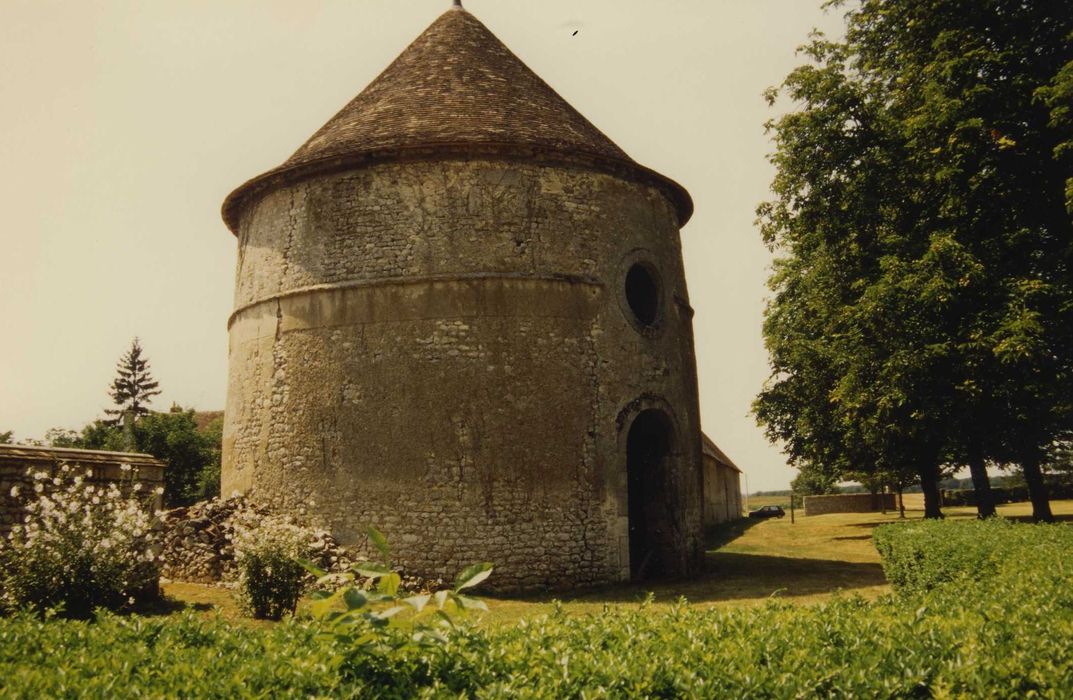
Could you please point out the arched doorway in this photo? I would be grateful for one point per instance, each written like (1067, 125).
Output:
(649, 448)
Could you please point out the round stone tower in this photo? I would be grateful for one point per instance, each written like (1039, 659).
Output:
(461, 316)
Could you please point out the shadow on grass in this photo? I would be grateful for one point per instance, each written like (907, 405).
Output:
(734, 576)
(725, 533)
(1058, 518)
(876, 524)
(166, 605)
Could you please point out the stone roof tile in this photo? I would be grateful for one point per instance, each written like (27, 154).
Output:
(456, 83)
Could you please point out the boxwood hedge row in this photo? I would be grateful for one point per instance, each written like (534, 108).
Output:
(1005, 630)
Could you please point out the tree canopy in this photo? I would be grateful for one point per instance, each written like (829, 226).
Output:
(192, 454)
(920, 317)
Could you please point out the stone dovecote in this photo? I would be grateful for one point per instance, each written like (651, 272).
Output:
(461, 316)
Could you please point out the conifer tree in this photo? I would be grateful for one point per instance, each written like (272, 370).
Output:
(134, 387)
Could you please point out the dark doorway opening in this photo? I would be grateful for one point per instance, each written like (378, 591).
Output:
(648, 455)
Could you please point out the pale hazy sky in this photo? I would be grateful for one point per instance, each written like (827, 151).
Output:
(124, 124)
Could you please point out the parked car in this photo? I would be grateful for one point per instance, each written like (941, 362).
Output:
(767, 512)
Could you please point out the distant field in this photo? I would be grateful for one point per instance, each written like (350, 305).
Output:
(804, 562)
(758, 501)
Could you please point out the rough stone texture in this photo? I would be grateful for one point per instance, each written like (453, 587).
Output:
(722, 486)
(848, 503)
(444, 350)
(439, 343)
(18, 464)
(197, 543)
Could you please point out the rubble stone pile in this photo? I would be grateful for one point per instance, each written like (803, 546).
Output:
(197, 544)
(197, 541)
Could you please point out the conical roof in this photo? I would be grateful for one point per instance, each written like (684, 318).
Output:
(456, 90)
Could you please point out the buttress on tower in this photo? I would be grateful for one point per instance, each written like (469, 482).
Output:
(461, 316)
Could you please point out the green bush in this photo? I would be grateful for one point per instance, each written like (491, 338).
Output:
(80, 546)
(921, 555)
(1013, 644)
(270, 577)
(1010, 491)
(1006, 634)
(378, 615)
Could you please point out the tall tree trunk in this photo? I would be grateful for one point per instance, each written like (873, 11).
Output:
(901, 502)
(883, 498)
(929, 484)
(1037, 489)
(981, 484)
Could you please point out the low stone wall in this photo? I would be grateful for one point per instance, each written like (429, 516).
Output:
(848, 503)
(18, 464)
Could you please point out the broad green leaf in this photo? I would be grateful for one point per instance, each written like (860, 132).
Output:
(389, 584)
(334, 579)
(355, 599)
(312, 568)
(441, 599)
(371, 569)
(390, 612)
(472, 575)
(468, 603)
(379, 541)
(445, 619)
(417, 602)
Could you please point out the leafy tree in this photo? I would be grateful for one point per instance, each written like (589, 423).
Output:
(62, 437)
(812, 481)
(208, 484)
(921, 316)
(7, 438)
(134, 387)
(192, 456)
(981, 91)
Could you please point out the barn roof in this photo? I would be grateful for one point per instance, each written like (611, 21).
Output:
(455, 91)
(712, 450)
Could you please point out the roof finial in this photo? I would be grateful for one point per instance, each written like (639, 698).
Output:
(457, 4)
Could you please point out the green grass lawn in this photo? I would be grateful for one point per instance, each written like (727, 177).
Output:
(807, 561)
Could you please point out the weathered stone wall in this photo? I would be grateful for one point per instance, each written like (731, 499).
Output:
(722, 493)
(848, 503)
(444, 349)
(18, 464)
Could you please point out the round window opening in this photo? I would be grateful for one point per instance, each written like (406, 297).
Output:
(642, 293)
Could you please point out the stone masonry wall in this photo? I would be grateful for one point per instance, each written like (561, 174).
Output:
(444, 350)
(848, 503)
(18, 464)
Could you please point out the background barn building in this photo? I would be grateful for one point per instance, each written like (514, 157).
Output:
(722, 486)
(461, 315)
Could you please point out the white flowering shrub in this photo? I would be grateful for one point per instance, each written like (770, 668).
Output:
(267, 550)
(80, 546)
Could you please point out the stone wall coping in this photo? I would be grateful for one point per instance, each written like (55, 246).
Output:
(23, 453)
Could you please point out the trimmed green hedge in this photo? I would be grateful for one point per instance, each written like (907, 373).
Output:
(921, 555)
(1057, 487)
(1002, 628)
